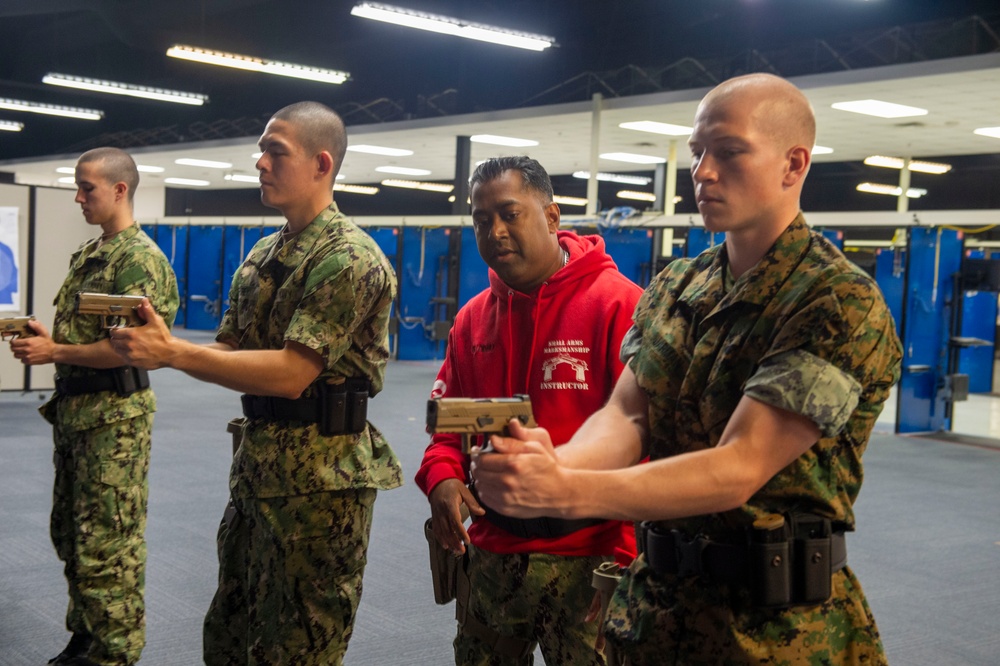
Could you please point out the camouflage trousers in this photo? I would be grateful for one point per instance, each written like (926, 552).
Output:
(658, 620)
(98, 524)
(532, 597)
(290, 572)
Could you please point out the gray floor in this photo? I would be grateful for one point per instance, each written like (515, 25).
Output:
(927, 549)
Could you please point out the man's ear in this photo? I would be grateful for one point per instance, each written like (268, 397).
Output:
(121, 190)
(324, 161)
(799, 160)
(552, 214)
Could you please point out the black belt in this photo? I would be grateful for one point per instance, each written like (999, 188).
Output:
(338, 409)
(124, 380)
(535, 528)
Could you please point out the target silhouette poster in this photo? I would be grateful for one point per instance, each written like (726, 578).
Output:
(10, 298)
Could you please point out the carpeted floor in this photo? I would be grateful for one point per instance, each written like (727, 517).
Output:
(927, 548)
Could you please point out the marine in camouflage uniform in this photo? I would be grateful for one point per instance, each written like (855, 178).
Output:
(806, 331)
(293, 554)
(102, 443)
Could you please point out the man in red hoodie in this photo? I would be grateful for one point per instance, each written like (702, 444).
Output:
(549, 326)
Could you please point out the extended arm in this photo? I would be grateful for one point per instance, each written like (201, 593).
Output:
(285, 372)
(40, 349)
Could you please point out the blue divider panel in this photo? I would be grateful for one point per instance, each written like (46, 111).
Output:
(700, 239)
(387, 239)
(979, 316)
(423, 276)
(204, 295)
(890, 268)
(473, 273)
(173, 240)
(933, 256)
(632, 250)
(834, 236)
(237, 241)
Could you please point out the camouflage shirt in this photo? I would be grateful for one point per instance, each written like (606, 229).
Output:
(804, 330)
(130, 263)
(329, 289)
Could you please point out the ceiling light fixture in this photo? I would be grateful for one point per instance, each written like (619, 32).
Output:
(502, 140)
(569, 201)
(187, 181)
(66, 170)
(624, 179)
(892, 190)
(355, 189)
(821, 150)
(988, 131)
(186, 161)
(417, 185)
(636, 196)
(144, 168)
(451, 26)
(66, 180)
(51, 109)
(11, 126)
(380, 150)
(253, 64)
(880, 109)
(657, 128)
(633, 158)
(403, 171)
(915, 165)
(115, 88)
(242, 178)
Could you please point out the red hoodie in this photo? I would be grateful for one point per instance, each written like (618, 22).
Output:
(560, 346)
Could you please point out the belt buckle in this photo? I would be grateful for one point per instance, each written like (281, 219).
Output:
(688, 553)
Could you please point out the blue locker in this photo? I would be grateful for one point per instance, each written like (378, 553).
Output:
(204, 270)
(473, 275)
(979, 316)
(423, 277)
(700, 239)
(387, 239)
(933, 257)
(173, 240)
(889, 275)
(237, 241)
(834, 236)
(632, 250)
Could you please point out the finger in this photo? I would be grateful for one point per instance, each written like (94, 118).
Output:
(470, 501)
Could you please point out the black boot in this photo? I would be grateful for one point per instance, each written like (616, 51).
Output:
(77, 661)
(78, 646)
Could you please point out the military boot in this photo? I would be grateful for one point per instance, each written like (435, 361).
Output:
(78, 661)
(77, 647)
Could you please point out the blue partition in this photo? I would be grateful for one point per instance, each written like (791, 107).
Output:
(890, 269)
(387, 239)
(473, 273)
(834, 236)
(933, 257)
(204, 270)
(423, 277)
(979, 316)
(237, 241)
(700, 239)
(173, 240)
(632, 250)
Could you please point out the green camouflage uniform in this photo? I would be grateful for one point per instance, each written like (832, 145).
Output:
(291, 559)
(806, 331)
(102, 454)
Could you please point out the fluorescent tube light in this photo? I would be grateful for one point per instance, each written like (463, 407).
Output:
(380, 150)
(242, 178)
(186, 181)
(915, 165)
(657, 128)
(633, 158)
(569, 201)
(259, 155)
(145, 168)
(253, 64)
(11, 126)
(66, 170)
(355, 189)
(880, 109)
(988, 131)
(67, 180)
(417, 185)
(451, 26)
(821, 150)
(615, 178)
(115, 88)
(403, 171)
(186, 161)
(892, 190)
(502, 140)
(637, 196)
(51, 109)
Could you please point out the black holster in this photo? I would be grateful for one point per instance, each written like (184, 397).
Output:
(337, 409)
(123, 380)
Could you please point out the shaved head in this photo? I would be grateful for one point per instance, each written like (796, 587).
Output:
(115, 165)
(779, 109)
(317, 128)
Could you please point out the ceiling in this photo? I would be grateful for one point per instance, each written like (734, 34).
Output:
(961, 94)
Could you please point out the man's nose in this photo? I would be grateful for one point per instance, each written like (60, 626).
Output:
(704, 170)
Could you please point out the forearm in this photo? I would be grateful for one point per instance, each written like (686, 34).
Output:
(607, 440)
(98, 355)
(261, 372)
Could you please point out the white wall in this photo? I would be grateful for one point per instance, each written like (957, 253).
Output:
(11, 371)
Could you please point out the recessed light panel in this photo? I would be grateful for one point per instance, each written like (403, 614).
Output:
(633, 158)
(657, 128)
(403, 171)
(380, 150)
(502, 140)
(880, 109)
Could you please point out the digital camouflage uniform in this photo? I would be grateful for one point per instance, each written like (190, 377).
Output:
(101, 456)
(291, 559)
(806, 331)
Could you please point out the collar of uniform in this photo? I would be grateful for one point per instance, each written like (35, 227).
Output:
(762, 281)
(115, 241)
(305, 239)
